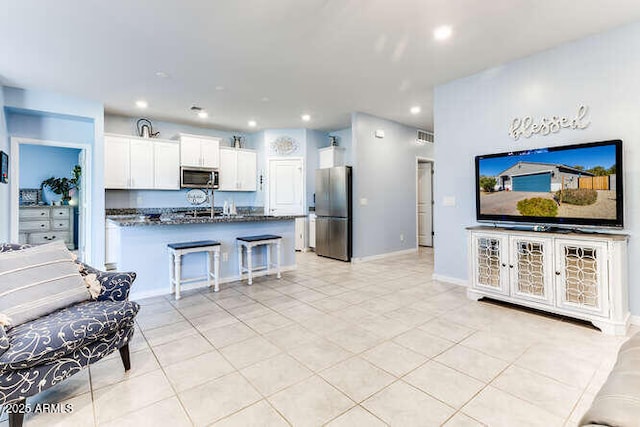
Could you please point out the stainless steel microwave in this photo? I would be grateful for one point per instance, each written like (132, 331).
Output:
(193, 177)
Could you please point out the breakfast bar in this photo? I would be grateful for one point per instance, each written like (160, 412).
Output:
(139, 244)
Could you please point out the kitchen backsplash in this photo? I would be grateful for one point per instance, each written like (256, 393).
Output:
(137, 199)
(243, 210)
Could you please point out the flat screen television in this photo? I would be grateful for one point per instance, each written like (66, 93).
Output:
(578, 185)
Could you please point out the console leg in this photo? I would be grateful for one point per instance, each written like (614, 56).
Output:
(16, 418)
(124, 355)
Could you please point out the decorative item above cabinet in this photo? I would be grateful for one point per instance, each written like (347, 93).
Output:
(199, 151)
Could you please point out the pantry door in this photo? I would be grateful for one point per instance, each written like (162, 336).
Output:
(286, 187)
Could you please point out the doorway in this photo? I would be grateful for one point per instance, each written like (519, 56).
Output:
(38, 214)
(286, 186)
(424, 199)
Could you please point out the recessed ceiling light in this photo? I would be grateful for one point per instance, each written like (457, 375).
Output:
(141, 103)
(443, 32)
(203, 114)
(162, 74)
(219, 87)
(252, 123)
(415, 110)
(306, 117)
(265, 99)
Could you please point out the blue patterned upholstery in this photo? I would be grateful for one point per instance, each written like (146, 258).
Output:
(37, 355)
(115, 286)
(48, 338)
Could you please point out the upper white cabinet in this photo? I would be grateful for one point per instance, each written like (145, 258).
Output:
(142, 173)
(117, 164)
(166, 167)
(331, 157)
(578, 275)
(141, 163)
(238, 169)
(199, 151)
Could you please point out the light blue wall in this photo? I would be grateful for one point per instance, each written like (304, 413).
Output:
(80, 111)
(38, 163)
(345, 140)
(49, 127)
(384, 173)
(4, 188)
(177, 198)
(472, 117)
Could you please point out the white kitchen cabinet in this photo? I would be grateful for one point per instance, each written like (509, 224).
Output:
(117, 172)
(238, 169)
(141, 163)
(582, 275)
(312, 231)
(301, 234)
(166, 167)
(330, 157)
(247, 170)
(112, 245)
(199, 151)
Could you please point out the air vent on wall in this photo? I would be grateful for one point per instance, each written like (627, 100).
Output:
(424, 137)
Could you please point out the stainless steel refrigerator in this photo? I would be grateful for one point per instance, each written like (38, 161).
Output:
(333, 212)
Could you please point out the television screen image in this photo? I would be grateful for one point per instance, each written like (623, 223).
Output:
(576, 184)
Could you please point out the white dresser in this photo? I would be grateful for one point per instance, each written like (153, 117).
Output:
(45, 224)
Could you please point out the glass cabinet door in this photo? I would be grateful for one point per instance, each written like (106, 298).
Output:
(530, 266)
(491, 257)
(581, 271)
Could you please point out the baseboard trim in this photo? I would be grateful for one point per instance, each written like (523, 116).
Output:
(634, 320)
(385, 255)
(449, 279)
(203, 284)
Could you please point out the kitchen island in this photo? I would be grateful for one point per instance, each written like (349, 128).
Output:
(137, 243)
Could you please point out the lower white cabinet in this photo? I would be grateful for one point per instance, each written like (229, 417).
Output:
(312, 231)
(301, 234)
(578, 275)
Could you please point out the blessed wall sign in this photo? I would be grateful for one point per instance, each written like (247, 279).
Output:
(526, 126)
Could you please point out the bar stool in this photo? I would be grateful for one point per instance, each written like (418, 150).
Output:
(177, 250)
(250, 242)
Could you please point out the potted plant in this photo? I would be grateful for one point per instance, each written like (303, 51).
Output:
(63, 186)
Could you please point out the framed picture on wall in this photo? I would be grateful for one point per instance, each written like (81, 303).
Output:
(4, 167)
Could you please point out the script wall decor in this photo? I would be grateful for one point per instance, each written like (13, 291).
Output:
(526, 126)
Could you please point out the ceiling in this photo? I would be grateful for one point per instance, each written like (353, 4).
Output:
(273, 60)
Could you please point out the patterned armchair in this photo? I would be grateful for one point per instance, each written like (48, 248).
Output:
(37, 355)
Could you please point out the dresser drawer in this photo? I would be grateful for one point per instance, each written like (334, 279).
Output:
(33, 213)
(33, 226)
(59, 224)
(53, 236)
(60, 213)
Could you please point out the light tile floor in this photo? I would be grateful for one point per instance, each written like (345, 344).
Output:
(339, 344)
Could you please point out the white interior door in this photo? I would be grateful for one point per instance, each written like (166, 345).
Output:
(286, 187)
(425, 205)
(83, 207)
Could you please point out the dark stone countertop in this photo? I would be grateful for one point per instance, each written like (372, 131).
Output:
(137, 220)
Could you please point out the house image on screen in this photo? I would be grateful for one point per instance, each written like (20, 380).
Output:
(540, 177)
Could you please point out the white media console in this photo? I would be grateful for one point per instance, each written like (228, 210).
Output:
(580, 275)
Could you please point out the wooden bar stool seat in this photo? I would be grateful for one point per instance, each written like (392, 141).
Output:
(177, 250)
(250, 242)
